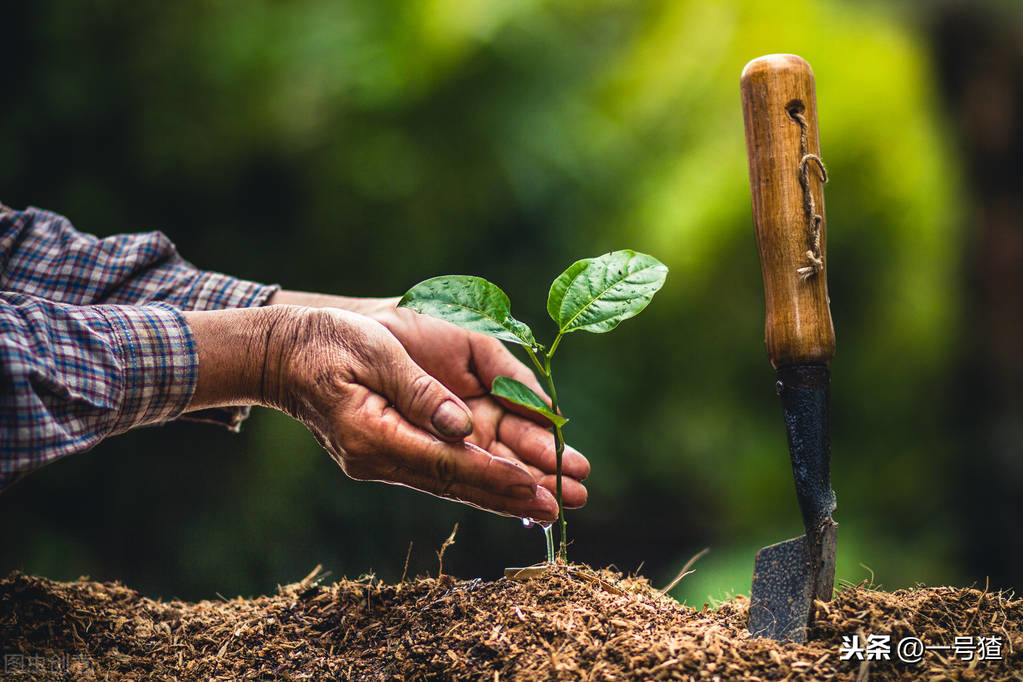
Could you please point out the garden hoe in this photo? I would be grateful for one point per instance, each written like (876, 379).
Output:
(786, 181)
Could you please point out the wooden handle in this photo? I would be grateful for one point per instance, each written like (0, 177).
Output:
(778, 101)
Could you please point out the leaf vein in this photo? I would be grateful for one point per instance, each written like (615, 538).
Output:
(606, 289)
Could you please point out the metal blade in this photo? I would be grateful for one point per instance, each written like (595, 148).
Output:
(786, 580)
(789, 575)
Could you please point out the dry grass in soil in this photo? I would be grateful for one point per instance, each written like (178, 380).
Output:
(554, 627)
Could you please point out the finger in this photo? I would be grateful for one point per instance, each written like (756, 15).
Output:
(492, 359)
(535, 445)
(377, 440)
(405, 455)
(540, 507)
(420, 398)
(573, 493)
(486, 415)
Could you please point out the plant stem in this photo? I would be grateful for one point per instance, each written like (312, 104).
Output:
(536, 362)
(559, 451)
(559, 439)
(554, 346)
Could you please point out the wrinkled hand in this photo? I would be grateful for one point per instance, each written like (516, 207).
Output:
(467, 363)
(383, 418)
(353, 385)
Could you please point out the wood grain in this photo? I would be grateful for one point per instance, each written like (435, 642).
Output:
(798, 328)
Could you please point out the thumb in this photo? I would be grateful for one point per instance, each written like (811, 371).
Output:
(422, 399)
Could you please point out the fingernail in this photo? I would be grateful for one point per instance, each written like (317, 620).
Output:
(451, 420)
(523, 492)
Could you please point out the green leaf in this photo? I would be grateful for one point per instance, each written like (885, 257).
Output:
(520, 394)
(597, 294)
(472, 303)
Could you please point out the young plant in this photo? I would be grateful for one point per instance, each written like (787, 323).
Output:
(592, 295)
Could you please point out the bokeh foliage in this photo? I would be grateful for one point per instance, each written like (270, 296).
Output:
(358, 147)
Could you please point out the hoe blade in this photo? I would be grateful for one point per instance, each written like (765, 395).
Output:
(787, 577)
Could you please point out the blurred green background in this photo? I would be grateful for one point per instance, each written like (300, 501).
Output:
(360, 146)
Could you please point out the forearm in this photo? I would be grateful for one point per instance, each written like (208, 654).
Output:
(383, 310)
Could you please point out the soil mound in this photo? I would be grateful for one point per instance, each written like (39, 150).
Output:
(558, 626)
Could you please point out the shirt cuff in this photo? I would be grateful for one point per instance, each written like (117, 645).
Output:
(159, 363)
(214, 291)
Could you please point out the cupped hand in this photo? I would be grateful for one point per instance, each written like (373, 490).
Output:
(383, 418)
(467, 363)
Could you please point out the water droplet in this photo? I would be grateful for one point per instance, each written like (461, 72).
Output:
(528, 523)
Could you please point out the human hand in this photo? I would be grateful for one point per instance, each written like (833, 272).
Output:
(467, 363)
(368, 404)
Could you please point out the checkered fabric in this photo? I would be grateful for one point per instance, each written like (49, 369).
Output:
(92, 339)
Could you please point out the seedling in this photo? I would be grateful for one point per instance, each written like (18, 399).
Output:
(593, 295)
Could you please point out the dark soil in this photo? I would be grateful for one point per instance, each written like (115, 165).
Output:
(554, 627)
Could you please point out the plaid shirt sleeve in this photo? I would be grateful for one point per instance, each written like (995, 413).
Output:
(42, 255)
(92, 340)
(73, 375)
